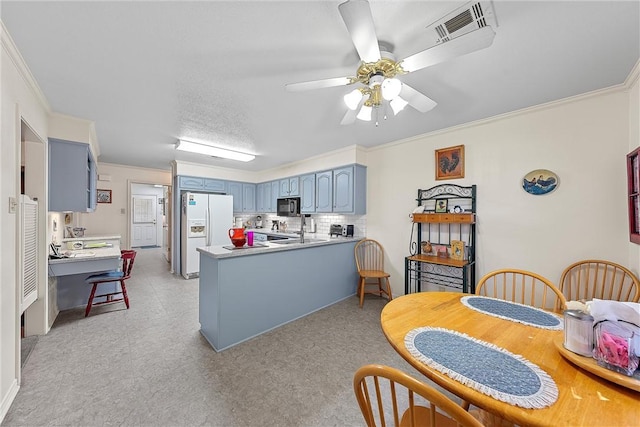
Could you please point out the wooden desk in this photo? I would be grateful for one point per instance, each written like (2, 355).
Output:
(583, 398)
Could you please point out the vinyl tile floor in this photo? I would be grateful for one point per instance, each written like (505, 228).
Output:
(150, 366)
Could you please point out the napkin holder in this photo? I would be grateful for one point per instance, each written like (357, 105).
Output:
(578, 332)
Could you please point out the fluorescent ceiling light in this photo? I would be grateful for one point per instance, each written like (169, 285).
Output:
(209, 150)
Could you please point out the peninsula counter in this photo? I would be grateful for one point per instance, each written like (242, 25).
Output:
(246, 292)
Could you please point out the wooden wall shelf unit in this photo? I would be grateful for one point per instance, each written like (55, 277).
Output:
(424, 272)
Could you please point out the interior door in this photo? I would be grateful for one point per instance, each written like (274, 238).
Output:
(144, 218)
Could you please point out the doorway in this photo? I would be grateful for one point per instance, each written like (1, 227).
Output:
(149, 212)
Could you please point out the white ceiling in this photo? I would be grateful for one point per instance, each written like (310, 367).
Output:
(149, 72)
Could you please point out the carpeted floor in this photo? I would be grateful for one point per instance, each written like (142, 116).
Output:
(149, 365)
(26, 347)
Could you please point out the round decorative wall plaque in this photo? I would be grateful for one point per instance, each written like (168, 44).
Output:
(539, 182)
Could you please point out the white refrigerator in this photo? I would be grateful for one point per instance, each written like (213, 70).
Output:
(206, 220)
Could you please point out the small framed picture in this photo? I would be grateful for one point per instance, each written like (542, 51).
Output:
(441, 206)
(450, 162)
(104, 196)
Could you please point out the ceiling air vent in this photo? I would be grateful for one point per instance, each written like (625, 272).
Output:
(463, 20)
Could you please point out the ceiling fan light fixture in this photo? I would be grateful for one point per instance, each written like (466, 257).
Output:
(365, 113)
(397, 105)
(210, 150)
(391, 88)
(353, 98)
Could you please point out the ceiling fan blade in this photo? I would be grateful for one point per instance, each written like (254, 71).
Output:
(319, 84)
(358, 19)
(416, 99)
(349, 117)
(470, 42)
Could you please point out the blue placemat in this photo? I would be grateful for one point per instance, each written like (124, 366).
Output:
(483, 366)
(514, 311)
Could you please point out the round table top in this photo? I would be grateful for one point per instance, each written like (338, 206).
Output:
(584, 399)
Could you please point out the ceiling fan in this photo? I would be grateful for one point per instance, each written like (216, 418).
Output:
(378, 88)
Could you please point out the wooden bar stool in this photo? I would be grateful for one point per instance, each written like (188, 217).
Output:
(128, 257)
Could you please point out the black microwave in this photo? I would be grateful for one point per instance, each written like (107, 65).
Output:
(289, 206)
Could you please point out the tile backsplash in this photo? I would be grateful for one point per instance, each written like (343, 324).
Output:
(323, 222)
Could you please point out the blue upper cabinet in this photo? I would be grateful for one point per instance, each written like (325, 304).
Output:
(248, 198)
(190, 183)
(235, 189)
(215, 185)
(342, 190)
(324, 191)
(290, 187)
(72, 177)
(275, 193)
(260, 197)
(308, 193)
(266, 196)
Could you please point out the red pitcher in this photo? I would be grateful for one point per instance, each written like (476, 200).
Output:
(237, 237)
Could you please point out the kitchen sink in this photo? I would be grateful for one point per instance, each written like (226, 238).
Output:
(294, 240)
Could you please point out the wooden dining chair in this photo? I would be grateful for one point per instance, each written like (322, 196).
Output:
(128, 257)
(593, 278)
(524, 287)
(383, 392)
(370, 264)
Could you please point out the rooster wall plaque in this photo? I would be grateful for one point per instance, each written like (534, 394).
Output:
(450, 162)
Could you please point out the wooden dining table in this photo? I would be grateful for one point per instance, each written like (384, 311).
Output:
(584, 399)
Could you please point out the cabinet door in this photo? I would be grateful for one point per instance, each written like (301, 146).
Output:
(343, 190)
(235, 189)
(248, 198)
(290, 187)
(294, 186)
(260, 196)
(190, 183)
(72, 177)
(214, 185)
(308, 193)
(284, 188)
(275, 193)
(267, 198)
(324, 191)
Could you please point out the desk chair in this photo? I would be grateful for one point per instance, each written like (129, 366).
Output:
(128, 257)
(522, 287)
(370, 263)
(592, 278)
(401, 393)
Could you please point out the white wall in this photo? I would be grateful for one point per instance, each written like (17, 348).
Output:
(584, 141)
(633, 81)
(113, 218)
(20, 99)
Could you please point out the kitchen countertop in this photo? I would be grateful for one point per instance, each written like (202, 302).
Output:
(91, 238)
(220, 252)
(87, 255)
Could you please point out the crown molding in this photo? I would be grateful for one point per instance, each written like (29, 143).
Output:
(633, 76)
(622, 87)
(12, 51)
